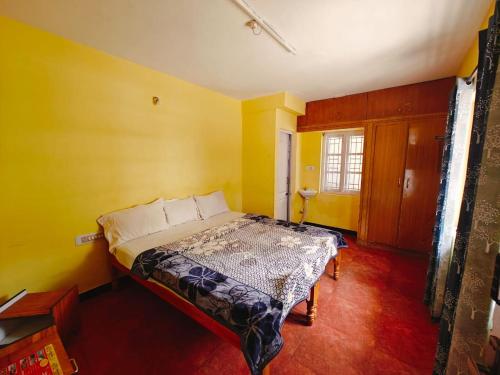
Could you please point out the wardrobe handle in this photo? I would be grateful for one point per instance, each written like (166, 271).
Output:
(408, 182)
(75, 365)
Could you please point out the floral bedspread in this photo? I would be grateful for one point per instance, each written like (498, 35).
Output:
(247, 274)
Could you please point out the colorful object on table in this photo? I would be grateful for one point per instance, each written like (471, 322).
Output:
(41, 362)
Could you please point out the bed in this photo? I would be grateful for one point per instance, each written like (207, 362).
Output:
(239, 275)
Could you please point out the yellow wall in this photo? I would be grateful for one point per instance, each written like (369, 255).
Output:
(80, 137)
(258, 161)
(471, 59)
(335, 210)
(262, 119)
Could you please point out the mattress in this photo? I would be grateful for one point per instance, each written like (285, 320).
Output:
(127, 252)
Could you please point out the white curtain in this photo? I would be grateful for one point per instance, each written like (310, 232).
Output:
(458, 168)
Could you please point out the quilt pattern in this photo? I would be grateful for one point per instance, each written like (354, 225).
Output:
(247, 274)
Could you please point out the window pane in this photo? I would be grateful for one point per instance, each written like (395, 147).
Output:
(333, 162)
(342, 164)
(332, 181)
(354, 163)
(334, 145)
(356, 144)
(349, 181)
(353, 182)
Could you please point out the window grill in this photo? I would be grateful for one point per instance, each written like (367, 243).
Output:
(343, 161)
(333, 168)
(354, 163)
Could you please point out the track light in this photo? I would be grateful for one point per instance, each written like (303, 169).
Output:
(259, 20)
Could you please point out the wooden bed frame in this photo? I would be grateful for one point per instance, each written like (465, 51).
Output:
(118, 270)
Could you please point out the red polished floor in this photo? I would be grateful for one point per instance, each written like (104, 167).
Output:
(371, 321)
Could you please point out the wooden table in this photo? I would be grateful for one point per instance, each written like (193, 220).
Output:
(61, 305)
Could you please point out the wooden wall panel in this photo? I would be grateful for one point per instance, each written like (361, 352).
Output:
(385, 115)
(302, 120)
(415, 100)
(418, 99)
(369, 131)
(346, 108)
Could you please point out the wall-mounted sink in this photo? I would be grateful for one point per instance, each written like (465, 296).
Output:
(307, 193)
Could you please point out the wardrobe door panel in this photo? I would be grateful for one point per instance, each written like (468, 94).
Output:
(417, 99)
(342, 109)
(387, 171)
(421, 183)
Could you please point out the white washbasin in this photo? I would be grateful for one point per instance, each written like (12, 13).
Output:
(307, 193)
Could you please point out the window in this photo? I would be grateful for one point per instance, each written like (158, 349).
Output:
(342, 161)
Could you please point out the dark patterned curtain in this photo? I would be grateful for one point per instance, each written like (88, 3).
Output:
(453, 166)
(430, 288)
(487, 67)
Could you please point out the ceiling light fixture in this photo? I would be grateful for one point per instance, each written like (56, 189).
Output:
(264, 25)
(256, 29)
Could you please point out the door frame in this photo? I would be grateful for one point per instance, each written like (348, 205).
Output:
(289, 173)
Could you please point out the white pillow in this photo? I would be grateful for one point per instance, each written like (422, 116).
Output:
(211, 204)
(128, 224)
(181, 211)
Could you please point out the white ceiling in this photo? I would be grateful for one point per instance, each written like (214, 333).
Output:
(343, 46)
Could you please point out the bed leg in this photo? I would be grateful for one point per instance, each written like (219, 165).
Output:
(266, 370)
(312, 305)
(336, 266)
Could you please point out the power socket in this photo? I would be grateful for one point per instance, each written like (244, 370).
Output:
(89, 237)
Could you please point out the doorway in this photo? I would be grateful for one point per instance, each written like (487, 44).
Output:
(283, 176)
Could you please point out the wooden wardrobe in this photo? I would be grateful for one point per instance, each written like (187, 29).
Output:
(404, 129)
(402, 188)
